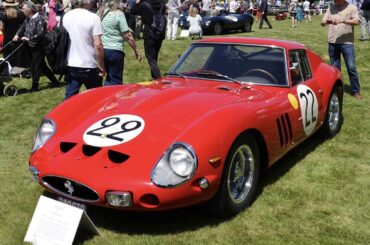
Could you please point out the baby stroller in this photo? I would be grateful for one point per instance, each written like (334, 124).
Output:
(6, 73)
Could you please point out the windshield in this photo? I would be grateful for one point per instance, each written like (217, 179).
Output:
(233, 62)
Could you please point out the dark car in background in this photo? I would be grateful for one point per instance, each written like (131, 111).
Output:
(221, 22)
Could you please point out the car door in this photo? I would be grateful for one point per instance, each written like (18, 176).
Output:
(305, 95)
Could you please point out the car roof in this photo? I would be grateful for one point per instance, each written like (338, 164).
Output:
(254, 40)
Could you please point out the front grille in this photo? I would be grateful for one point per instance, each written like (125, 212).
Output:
(70, 188)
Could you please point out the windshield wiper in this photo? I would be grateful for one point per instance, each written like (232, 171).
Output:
(176, 74)
(206, 73)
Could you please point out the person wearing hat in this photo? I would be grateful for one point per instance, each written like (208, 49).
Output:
(32, 32)
(12, 19)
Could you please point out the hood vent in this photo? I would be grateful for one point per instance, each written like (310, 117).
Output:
(89, 150)
(67, 146)
(117, 157)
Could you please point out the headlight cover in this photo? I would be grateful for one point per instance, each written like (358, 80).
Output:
(43, 134)
(177, 165)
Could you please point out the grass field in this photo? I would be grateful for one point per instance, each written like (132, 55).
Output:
(318, 194)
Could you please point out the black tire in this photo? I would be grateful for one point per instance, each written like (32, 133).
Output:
(247, 27)
(217, 28)
(334, 117)
(10, 90)
(239, 179)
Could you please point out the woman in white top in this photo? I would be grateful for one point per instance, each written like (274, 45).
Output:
(194, 20)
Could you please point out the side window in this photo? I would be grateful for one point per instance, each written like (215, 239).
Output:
(299, 67)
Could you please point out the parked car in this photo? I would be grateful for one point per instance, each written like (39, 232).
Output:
(222, 22)
(203, 133)
(276, 10)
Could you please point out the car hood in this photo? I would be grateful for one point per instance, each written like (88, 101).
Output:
(167, 107)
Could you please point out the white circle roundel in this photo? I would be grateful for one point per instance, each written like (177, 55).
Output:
(309, 108)
(114, 130)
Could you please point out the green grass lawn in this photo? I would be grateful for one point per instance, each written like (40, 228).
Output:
(318, 194)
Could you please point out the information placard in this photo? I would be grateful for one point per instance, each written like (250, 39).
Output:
(54, 222)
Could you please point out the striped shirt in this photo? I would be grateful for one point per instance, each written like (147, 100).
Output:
(114, 24)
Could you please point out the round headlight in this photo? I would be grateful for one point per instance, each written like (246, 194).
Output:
(45, 131)
(182, 161)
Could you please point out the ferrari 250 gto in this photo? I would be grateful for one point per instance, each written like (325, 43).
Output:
(203, 133)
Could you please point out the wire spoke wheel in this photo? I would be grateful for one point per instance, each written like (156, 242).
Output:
(240, 177)
(334, 112)
(334, 117)
(240, 174)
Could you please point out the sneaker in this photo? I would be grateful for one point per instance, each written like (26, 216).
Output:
(357, 96)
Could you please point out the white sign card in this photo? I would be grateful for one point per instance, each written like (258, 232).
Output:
(54, 222)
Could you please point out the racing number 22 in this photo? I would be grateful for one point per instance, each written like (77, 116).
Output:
(309, 106)
(109, 122)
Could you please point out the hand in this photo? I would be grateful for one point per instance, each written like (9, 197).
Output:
(138, 55)
(102, 71)
(15, 38)
(26, 39)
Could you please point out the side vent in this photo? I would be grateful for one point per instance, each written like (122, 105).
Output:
(117, 157)
(284, 129)
(89, 150)
(66, 146)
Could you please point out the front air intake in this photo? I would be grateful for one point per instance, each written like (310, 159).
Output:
(71, 189)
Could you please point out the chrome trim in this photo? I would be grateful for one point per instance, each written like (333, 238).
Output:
(240, 175)
(334, 112)
(35, 173)
(64, 194)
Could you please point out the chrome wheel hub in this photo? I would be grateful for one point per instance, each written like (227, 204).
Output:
(240, 175)
(334, 112)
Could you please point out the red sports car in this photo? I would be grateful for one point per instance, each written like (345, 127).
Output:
(228, 108)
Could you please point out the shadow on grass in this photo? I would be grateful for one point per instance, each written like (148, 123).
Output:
(347, 89)
(282, 166)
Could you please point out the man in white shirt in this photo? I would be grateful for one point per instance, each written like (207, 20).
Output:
(85, 54)
(306, 9)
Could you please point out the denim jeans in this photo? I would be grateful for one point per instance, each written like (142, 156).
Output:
(348, 52)
(114, 62)
(77, 76)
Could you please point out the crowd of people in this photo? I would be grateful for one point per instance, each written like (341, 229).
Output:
(98, 30)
